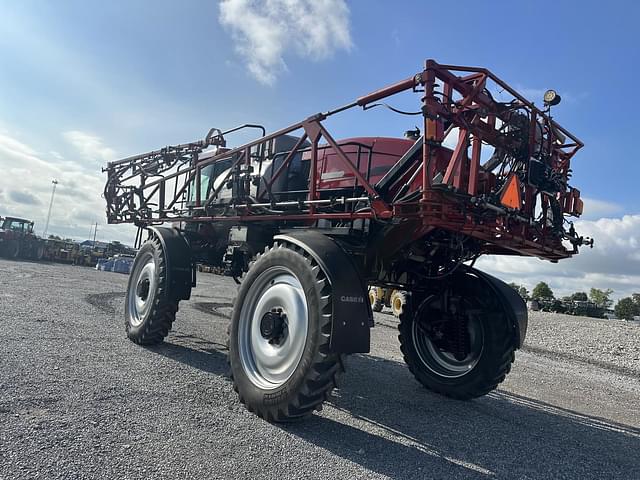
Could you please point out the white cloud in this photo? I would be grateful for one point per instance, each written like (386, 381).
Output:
(451, 140)
(56, 155)
(24, 197)
(89, 146)
(26, 188)
(265, 30)
(15, 148)
(118, 102)
(614, 261)
(594, 209)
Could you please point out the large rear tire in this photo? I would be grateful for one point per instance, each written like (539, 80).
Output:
(11, 249)
(39, 252)
(281, 364)
(150, 309)
(461, 348)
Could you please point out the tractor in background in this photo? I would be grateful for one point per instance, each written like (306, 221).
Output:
(18, 240)
(61, 250)
(380, 297)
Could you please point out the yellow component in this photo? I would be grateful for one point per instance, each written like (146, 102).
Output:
(512, 196)
(375, 298)
(398, 301)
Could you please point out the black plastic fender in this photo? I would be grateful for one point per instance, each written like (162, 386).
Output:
(513, 304)
(177, 255)
(352, 315)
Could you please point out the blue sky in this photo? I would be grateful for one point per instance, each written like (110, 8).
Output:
(82, 82)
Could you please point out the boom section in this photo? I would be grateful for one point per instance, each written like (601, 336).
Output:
(487, 163)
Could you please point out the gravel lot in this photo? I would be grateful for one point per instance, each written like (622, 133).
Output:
(78, 400)
(611, 344)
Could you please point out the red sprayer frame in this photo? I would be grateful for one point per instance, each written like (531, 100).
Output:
(445, 188)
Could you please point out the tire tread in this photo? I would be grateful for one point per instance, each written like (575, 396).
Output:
(163, 312)
(485, 381)
(321, 375)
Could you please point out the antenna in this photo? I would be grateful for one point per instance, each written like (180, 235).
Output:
(53, 192)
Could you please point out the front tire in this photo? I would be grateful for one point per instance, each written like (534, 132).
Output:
(149, 307)
(463, 351)
(281, 364)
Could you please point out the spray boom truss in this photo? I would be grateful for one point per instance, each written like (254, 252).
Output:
(495, 171)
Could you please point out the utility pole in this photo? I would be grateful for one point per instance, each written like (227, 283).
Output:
(95, 232)
(53, 192)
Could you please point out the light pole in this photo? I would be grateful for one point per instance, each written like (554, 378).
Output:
(53, 192)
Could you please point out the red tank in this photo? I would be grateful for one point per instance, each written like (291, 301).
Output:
(373, 156)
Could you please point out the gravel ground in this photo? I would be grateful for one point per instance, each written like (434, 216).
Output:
(608, 343)
(78, 400)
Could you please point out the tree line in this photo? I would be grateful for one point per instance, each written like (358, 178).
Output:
(594, 304)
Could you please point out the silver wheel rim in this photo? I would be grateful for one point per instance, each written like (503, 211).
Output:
(142, 288)
(443, 363)
(268, 363)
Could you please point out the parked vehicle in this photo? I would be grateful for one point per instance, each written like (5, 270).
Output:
(61, 251)
(388, 297)
(17, 239)
(305, 222)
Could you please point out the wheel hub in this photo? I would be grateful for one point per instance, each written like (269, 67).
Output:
(272, 325)
(143, 289)
(142, 284)
(451, 335)
(449, 343)
(272, 329)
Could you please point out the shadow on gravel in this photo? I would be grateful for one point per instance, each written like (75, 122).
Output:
(216, 309)
(208, 356)
(395, 427)
(103, 301)
(403, 431)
